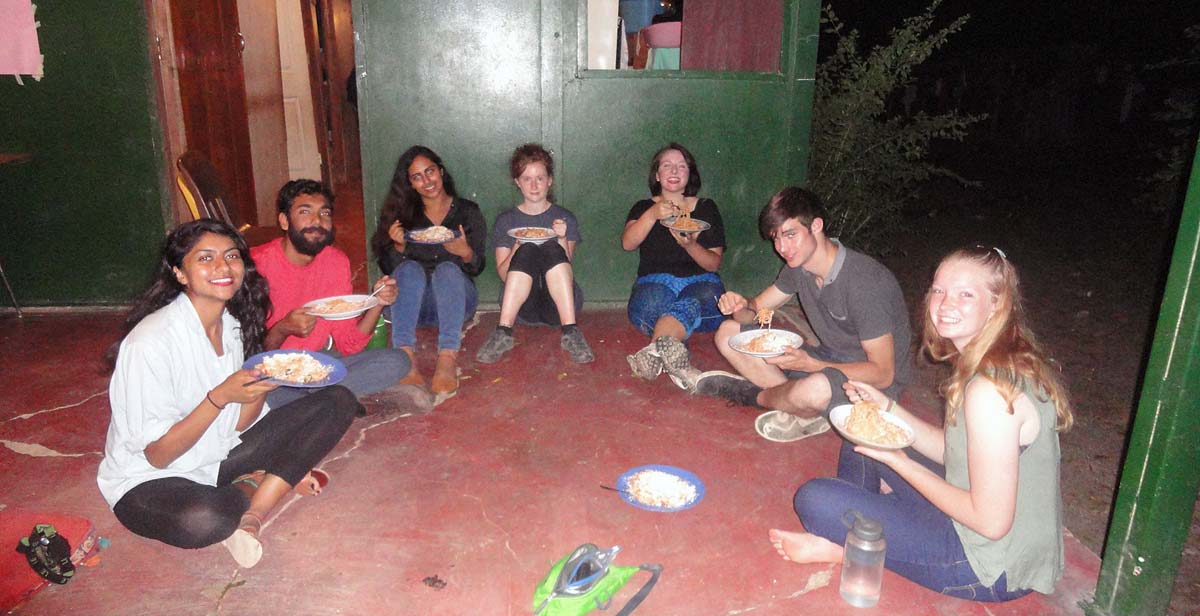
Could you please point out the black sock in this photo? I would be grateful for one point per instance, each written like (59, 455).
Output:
(566, 329)
(506, 329)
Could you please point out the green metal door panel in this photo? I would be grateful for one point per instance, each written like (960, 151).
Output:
(84, 218)
(473, 80)
(738, 132)
(1153, 510)
(462, 78)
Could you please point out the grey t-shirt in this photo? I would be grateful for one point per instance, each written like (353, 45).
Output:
(514, 218)
(860, 300)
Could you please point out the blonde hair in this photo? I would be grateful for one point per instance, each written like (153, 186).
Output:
(1005, 351)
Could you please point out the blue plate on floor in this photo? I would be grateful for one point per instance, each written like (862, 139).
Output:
(623, 486)
(335, 376)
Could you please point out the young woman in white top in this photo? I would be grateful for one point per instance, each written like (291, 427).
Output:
(193, 455)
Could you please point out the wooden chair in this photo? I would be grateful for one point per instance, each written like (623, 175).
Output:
(201, 186)
(204, 193)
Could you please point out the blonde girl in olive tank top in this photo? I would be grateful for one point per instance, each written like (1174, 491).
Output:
(987, 479)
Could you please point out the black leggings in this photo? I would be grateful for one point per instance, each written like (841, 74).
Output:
(535, 260)
(287, 442)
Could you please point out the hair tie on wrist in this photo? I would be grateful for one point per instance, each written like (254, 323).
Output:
(208, 396)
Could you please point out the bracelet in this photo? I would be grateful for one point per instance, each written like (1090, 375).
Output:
(891, 403)
(208, 396)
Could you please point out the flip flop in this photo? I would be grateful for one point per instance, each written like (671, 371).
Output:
(305, 487)
(781, 427)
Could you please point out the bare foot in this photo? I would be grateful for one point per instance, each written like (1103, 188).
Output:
(804, 547)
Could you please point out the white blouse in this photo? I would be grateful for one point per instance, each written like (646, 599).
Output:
(165, 368)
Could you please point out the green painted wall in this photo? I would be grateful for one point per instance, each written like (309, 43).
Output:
(474, 79)
(82, 220)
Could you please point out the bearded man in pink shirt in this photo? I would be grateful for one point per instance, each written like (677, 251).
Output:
(302, 266)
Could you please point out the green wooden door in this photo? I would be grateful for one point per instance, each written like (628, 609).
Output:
(84, 217)
(473, 80)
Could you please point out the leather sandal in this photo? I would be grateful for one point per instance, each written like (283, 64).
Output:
(414, 376)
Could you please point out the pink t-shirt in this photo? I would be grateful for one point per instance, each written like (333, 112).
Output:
(293, 286)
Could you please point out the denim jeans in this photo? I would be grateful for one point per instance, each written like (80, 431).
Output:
(921, 542)
(446, 298)
(367, 372)
(692, 301)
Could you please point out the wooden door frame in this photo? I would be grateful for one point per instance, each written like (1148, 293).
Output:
(167, 102)
(315, 22)
(169, 105)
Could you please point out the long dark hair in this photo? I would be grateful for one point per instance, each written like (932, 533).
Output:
(250, 304)
(403, 203)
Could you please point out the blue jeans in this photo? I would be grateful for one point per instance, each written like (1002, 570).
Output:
(446, 298)
(367, 372)
(921, 542)
(692, 301)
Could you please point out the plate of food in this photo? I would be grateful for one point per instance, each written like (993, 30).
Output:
(684, 223)
(656, 487)
(340, 307)
(765, 342)
(298, 368)
(436, 234)
(864, 424)
(532, 235)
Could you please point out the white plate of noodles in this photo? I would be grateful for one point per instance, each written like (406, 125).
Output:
(765, 342)
(532, 235)
(340, 307)
(864, 424)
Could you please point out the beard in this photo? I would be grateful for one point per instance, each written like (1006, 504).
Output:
(306, 247)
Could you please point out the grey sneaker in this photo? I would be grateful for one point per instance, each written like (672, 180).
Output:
(721, 384)
(784, 427)
(399, 398)
(645, 364)
(498, 343)
(676, 362)
(577, 347)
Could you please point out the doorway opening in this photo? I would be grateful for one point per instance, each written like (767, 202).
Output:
(266, 92)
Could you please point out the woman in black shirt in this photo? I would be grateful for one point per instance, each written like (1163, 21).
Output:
(677, 287)
(435, 277)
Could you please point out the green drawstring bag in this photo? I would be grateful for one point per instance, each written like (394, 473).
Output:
(585, 580)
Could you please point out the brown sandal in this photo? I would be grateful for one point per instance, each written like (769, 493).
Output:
(414, 376)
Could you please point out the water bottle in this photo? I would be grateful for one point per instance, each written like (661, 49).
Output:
(381, 336)
(862, 565)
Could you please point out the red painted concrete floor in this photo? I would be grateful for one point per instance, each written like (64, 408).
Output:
(485, 493)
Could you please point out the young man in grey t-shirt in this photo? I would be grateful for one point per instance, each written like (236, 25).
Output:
(852, 302)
